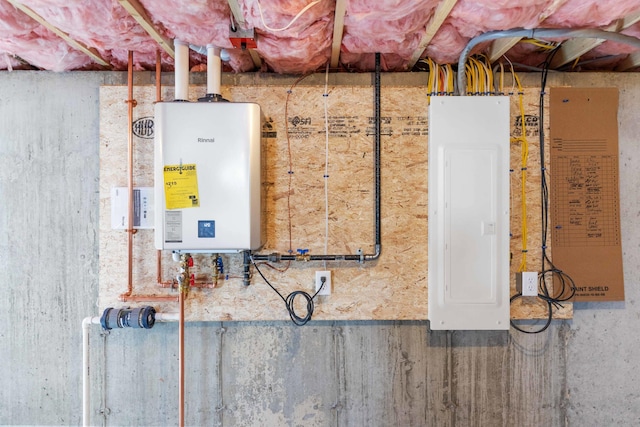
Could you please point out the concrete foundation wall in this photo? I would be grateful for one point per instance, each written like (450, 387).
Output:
(580, 372)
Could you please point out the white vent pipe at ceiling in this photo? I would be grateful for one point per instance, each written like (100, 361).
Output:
(214, 70)
(181, 70)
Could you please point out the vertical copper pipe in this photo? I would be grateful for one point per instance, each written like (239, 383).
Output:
(158, 77)
(159, 267)
(181, 359)
(159, 99)
(130, 176)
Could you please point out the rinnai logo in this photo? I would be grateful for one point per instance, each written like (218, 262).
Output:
(206, 140)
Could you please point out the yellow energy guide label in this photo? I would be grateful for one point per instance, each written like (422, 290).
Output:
(181, 186)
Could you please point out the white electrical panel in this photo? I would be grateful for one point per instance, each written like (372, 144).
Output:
(468, 250)
(208, 176)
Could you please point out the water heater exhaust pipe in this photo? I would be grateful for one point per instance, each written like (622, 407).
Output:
(181, 71)
(214, 70)
(214, 75)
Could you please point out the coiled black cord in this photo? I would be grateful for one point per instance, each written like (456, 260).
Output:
(290, 299)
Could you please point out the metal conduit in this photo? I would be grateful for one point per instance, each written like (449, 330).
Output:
(540, 33)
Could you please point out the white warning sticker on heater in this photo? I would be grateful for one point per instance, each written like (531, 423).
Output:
(181, 186)
(173, 226)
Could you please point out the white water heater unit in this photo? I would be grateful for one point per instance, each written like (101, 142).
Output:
(208, 176)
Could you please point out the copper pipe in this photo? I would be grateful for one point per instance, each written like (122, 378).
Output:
(148, 298)
(159, 267)
(181, 359)
(196, 284)
(130, 231)
(158, 99)
(158, 76)
(128, 296)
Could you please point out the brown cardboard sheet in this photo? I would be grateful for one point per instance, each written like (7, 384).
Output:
(584, 199)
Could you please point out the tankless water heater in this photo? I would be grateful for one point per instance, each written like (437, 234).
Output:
(208, 176)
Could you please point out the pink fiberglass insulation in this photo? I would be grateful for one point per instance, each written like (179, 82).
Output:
(366, 61)
(45, 50)
(613, 48)
(102, 24)
(304, 46)
(591, 13)
(240, 60)
(473, 17)
(14, 23)
(198, 22)
(22, 36)
(470, 18)
(8, 62)
(527, 54)
(387, 27)
(446, 45)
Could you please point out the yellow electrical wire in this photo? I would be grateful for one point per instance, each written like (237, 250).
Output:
(480, 78)
(489, 74)
(524, 157)
(501, 80)
(543, 45)
(450, 80)
(441, 80)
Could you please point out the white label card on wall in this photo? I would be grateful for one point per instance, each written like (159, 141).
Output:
(142, 208)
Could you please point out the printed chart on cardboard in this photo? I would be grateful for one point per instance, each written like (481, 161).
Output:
(585, 197)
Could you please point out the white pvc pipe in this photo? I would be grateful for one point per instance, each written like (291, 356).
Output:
(86, 377)
(181, 70)
(214, 70)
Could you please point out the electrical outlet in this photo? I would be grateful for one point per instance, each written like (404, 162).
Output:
(527, 283)
(326, 289)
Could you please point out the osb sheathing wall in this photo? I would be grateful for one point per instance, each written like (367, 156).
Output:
(394, 286)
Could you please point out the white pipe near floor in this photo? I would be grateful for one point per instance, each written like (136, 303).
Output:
(86, 377)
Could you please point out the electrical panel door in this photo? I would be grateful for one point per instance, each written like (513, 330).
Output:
(468, 248)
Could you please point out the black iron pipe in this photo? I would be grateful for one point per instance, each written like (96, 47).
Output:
(376, 150)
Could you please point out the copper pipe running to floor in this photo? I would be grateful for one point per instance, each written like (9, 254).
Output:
(128, 296)
(159, 99)
(130, 231)
(181, 358)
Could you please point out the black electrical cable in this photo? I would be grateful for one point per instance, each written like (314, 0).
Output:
(567, 288)
(290, 299)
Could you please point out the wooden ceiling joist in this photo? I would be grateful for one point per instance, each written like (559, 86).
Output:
(630, 62)
(236, 12)
(575, 48)
(442, 11)
(338, 31)
(91, 52)
(502, 46)
(137, 12)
